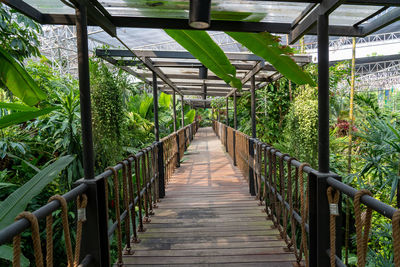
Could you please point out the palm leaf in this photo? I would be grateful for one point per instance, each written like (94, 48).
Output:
(19, 117)
(202, 47)
(18, 81)
(19, 199)
(265, 45)
(17, 107)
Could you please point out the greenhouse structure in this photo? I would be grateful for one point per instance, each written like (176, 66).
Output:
(242, 133)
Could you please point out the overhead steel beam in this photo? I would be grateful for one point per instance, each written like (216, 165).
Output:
(256, 69)
(382, 21)
(187, 55)
(161, 75)
(26, 9)
(159, 23)
(304, 13)
(196, 77)
(326, 7)
(127, 69)
(199, 84)
(98, 15)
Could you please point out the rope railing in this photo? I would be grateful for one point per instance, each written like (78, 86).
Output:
(297, 197)
(135, 183)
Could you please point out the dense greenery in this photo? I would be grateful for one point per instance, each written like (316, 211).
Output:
(288, 119)
(40, 130)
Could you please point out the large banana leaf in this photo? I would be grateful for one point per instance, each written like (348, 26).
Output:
(202, 47)
(18, 81)
(145, 105)
(16, 106)
(164, 100)
(189, 116)
(266, 46)
(19, 117)
(19, 199)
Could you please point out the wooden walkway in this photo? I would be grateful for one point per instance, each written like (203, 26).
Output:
(208, 217)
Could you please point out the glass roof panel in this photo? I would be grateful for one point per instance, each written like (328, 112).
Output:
(220, 9)
(51, 6)
(349, 15)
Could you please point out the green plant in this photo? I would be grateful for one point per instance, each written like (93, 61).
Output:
(107, 113)
(200, 45)
(19, 199)
(18, 33)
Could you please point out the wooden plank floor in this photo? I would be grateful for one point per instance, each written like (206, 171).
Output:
(208, 217)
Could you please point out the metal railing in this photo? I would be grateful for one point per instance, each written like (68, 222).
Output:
(135, 183)
(304, 204)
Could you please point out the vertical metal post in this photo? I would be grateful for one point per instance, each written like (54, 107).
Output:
(160, 154)
(94, 232)
(183, 119)
(235, 127)
(227, 124)
(178, 156)
(253, 135)
(319, 206)
(174, 109)
(253, 107)
(155, 108)
(234, 111)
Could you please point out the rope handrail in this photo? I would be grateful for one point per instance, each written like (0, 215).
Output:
(285, 197)
(145, 194)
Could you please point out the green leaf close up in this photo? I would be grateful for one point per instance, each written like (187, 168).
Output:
(202, 47)
(18, 81)
(19, 199)
(23, 116)
(6, 253)
(266, 46)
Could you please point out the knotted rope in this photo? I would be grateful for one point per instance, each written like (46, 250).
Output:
(37, 248)
(362, 237)
(117, 214)
(49, 232)
(333, 200)
(303, 212)
(81, 203)
(126, 206)
(283, 194)
(292, 220)
(396, 237)
(71, 261)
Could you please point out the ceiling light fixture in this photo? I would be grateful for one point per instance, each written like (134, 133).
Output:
(199, 14)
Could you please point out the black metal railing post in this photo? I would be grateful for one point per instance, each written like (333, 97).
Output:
(178, 154)
(94, 231)
(161, 173)
(234, 146)
(319, 227)
(251, 167)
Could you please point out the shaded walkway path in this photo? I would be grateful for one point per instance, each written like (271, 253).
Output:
(208, 217)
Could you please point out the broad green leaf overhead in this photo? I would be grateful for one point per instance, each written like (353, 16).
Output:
(18, 107)
(23, 116)
(18, 81)
(266, 46)
(202, 47)
(19, 199)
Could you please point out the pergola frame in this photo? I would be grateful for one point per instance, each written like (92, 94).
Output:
(313, 20)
